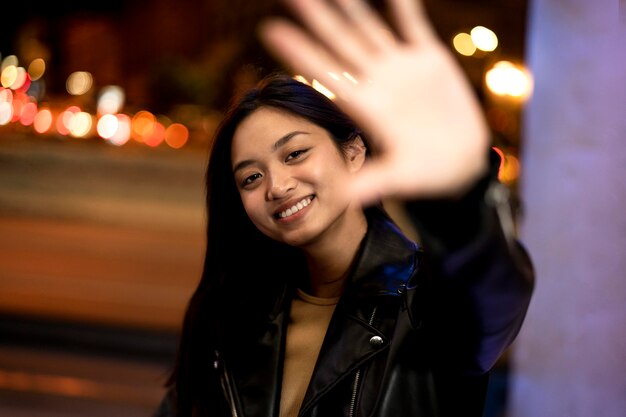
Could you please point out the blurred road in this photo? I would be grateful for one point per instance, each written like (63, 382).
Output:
(100, 248)
(97, 233)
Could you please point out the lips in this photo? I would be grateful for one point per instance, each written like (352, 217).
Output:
(290, 211)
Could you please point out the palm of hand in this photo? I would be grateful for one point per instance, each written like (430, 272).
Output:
(410, 97)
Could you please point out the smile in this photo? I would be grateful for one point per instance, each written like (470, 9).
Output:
(295, 208)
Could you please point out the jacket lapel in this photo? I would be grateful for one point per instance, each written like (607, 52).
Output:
(384, 265)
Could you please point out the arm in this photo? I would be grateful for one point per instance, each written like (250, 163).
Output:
(478, 277)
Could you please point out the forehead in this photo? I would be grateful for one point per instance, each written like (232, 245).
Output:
(263, 127)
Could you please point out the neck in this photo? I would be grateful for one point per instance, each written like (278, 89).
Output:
(329, 261)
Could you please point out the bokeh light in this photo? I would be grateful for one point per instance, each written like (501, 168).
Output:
(176, 135)
(20, 79)
(142, 125)
(110, 100)
(8, 76)
(80, 124)
(322, 89)
(27, 116)
(156, 136)
(6, 106)
(301, 79)
(79, 83)
(463, 44)
(36, 69)
(484, 39)
(107, 126)
(122, 134)
(64, 120)
(507, 79)
(18, 102)
(43, 121)
(6, 112)
(6, 95)
(10, 60)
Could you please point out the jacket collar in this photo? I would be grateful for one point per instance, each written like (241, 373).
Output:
(385, 261)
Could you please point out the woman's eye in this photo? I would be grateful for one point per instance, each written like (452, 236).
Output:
(295, 155)
(250, 179)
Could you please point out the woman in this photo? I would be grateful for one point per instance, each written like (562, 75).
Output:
(312, 302)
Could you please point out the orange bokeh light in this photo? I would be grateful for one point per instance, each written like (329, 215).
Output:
(43, 121)
(142, 125)
(176, 135)
(157, 136)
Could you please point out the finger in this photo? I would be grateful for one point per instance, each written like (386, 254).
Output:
(304, 55)
(368, 23)
(412, 21)
(334, 30)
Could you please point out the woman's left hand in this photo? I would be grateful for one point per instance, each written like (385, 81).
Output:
(405, 91)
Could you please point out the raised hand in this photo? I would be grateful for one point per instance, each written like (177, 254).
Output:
(405, 90)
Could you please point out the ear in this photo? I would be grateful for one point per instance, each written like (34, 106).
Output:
(355, 153)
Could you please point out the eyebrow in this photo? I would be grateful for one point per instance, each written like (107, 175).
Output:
(279, 143)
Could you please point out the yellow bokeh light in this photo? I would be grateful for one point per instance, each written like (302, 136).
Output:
(79, 83)
(8, 76)
(510, 169)
(10, 60)
(20, 79)
(507, 79)
(463, 44)
(322, 89)
(36, 69)
(349, 77)
(80, 124)
(484, 39)
(301, 79)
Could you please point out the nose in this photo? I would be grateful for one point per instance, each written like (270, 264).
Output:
(280, 185)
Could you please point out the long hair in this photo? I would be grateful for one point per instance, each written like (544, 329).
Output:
(243, 269)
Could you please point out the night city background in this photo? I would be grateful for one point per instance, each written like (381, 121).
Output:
(107, 109)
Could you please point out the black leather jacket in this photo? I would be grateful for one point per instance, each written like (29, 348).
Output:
(411, 336)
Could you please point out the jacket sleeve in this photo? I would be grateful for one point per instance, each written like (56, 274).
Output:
(475, 279)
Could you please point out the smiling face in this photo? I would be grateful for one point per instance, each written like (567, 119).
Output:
(289, 174)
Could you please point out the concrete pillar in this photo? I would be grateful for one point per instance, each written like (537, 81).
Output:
(570, 358)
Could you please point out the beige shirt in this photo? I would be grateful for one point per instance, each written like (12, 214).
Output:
(308, 322)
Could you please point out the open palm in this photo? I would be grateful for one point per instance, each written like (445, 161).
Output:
(406, 91)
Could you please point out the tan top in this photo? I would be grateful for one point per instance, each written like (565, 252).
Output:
(308, 322)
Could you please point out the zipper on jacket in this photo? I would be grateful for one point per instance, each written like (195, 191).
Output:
(357, 377)
(227, 387)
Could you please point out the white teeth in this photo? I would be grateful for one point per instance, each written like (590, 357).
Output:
(296, 208)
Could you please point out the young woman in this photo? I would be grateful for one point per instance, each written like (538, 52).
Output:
(312, 302)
